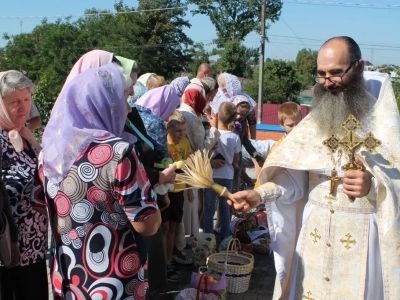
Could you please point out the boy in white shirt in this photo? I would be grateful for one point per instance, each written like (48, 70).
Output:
(228, 149)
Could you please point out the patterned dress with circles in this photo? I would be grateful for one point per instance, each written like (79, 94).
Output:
(97, 252)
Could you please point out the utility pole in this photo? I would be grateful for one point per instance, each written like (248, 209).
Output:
(261, 64)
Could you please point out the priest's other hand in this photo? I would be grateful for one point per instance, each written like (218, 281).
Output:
(245, 200)
(356, 183)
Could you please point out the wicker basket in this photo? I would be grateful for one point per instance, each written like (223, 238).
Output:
(237, 268)
(246, 245)
(234, 246)
(263, 246)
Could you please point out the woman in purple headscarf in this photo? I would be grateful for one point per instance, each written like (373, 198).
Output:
(154, 108)
(99, 199)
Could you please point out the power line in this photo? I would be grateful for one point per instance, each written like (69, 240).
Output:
(94, 14)
(344, 4)
(294, 32)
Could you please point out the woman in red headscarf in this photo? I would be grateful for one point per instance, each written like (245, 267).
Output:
(192, 106)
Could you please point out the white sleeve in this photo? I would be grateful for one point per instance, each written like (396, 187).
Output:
(287, 187)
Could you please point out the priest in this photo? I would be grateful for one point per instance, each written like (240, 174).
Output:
(332, 187)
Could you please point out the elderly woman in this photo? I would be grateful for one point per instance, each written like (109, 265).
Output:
(27, 277)
(100, 201)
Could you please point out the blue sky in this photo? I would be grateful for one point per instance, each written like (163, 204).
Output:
(303, 24)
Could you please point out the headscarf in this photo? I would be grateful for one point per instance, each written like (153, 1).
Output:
(232, 84)
(243, 97)
(161, 101)
(210, 82)
(96, 59)
(233, 88)
(127, 64)
(15, 134)
(90, 106)
(138, 91)
(196, 84)
(143, 78)
(91, 59)
(195, 100)
(179, 85)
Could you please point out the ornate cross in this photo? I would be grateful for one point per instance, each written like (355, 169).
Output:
(315, 235)
(348, 241)
(308, 296)
(351, 143)
(334, 183)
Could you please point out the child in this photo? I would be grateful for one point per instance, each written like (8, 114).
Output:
(228, 149)
(244, 106)
(289, 115)
(179, 149)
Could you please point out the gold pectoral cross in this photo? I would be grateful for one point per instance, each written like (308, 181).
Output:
(351, 143)
(334, 184)
(308, 296)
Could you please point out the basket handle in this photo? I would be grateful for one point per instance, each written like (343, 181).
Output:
(241, 224)
(233, 242)
(254, 217)
(234, 245)
(199, 286)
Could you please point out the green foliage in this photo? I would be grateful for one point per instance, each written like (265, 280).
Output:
(396, 88)
(281, 82)
(154, 38)
(236, 59)
(306, 64)
(234, 20)
(199, 56)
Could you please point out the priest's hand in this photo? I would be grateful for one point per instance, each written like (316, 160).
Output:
(245, 200)
(357, 183)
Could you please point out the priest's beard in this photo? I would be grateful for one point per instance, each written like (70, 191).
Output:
(329, 110)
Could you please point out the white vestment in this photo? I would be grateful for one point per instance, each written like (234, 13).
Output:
(334, 248)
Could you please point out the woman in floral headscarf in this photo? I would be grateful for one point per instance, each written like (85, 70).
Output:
(99, 199)
(179, 85)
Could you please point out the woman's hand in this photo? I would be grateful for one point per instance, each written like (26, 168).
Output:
(168, 175)
(213, 120)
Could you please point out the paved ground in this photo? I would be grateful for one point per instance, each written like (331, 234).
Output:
(261, 282)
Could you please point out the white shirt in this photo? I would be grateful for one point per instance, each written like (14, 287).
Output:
(228, 145)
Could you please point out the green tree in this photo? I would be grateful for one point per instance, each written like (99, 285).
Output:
(199, 56)
(154, 38)
(234, 20)
(306, 64)
(45, 55)
(148, 34)
(281, 82)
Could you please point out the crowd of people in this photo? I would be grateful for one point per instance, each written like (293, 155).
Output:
(103, 179)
